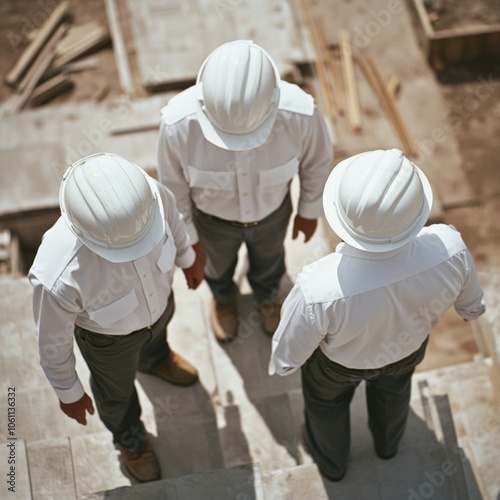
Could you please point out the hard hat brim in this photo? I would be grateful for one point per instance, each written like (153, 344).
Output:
(331, 210)
(136, 250)
(235, 142)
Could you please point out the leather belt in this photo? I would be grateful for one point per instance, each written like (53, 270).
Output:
(244, 224)
(232, 222)
(108, 336)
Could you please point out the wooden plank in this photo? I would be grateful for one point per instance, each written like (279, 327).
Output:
(98, 39)
(81, 65)
(120, 52)
(353, 109)
(466, 31)
(50, 89)
(395, 112)
(75, 34)
(310, 21)
(38, 69)
(331, 68)
(73, 45)
(423, 17)
(389, 105)
(35, 47)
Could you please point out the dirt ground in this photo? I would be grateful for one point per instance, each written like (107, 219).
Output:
(450, 14)
(472, 97)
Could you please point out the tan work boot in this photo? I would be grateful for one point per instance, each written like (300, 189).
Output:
(224, 322)
(177, 370)
(270, 312)
(142, 466)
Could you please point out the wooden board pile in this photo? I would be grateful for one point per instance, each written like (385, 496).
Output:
(335, 69)
(42, 71)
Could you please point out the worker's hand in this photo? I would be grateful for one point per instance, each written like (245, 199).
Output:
(194, 274)
(77, 409)
(307, 226)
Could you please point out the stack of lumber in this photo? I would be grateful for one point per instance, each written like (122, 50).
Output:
(334, 67)
(40, 72)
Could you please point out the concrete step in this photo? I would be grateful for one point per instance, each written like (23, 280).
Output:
(240, 482)
(97, 465)
(461, 404)
(237, 416)
(282, 469)
(51, 469)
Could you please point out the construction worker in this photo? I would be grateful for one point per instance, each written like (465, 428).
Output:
(365, 311)
(228, 149)
(103, 275)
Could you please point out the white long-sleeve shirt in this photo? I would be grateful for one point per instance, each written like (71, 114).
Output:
(367, 310)
(73, 285)
(245, 186)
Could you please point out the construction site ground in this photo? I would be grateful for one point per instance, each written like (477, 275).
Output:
(471, 110)
(464, 102)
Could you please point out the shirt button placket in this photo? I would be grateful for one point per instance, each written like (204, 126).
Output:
(244, 190)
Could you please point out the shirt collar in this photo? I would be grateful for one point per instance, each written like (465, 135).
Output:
(346, 249)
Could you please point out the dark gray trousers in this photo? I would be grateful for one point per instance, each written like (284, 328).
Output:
(113, 362)
(328, 389)
(221, 241)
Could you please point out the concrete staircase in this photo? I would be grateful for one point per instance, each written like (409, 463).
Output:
(236, 434)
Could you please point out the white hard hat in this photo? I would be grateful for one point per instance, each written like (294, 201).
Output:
(237, 96)
(112, 206)
(377, 201)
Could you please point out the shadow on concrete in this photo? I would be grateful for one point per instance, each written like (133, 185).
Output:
(270, 396)
(423, 468)
(187, 439)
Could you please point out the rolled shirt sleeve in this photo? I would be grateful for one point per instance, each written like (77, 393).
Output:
(55, 322)
(297, 336)
(315, 166)
(469, 303)
(185, 256)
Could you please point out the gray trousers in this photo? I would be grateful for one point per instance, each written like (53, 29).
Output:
(328, 389)
(221, 241)
(113, 362)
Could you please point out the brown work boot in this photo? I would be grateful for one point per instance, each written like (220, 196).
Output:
(142, 466)
(176, 370)
(224, 322)
(270, 312)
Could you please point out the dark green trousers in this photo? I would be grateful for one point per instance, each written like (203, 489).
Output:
(328, 389)
(113, 363)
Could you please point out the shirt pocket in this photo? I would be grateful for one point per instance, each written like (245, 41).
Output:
(280, 175)
(115, 311)
(167, 257)
(211, 183)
